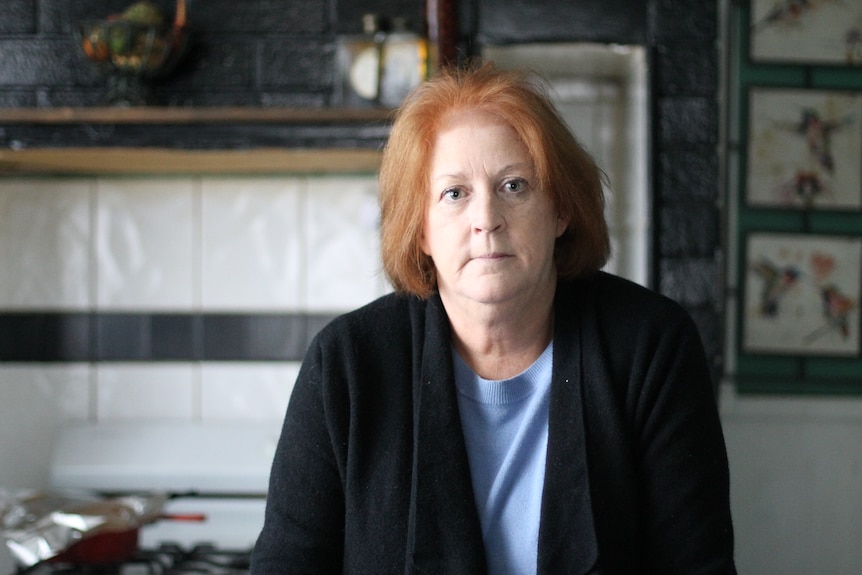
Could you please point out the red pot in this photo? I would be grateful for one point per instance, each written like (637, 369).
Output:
(103, 547)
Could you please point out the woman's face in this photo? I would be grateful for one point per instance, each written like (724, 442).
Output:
(489, 228)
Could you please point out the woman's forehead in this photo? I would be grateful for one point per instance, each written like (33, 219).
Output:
(459, 116)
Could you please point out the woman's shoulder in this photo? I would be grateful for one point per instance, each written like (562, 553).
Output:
(606, 285)
(381, 319)
(616, 298)
(628, 324)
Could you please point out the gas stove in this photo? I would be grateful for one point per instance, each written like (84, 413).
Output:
(215, 477)
(166, 559)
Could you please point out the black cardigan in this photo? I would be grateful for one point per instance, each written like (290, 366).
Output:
(371, 472)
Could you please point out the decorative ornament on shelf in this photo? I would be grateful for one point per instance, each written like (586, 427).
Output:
(133, 48)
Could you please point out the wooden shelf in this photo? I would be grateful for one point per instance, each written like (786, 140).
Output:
(154, 115)
(123, 157)
(101, 161)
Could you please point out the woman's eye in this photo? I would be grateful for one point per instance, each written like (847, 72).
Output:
(453, 194)
(516, 185)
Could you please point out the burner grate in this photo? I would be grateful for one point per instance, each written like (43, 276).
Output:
(204, 559)
(167, 559)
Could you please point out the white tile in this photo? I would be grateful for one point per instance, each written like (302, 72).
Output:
(146, 244)
(45, 243)
(246, 391)
(35, 402)
(794, 473)
(252, 243)
(146, 391)
(343, 242)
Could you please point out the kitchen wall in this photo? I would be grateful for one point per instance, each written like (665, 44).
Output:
(268, 259)
(193, 298)
(280, 53)
(92, 251)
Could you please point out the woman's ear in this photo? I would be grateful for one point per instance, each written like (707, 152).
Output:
(562, 224)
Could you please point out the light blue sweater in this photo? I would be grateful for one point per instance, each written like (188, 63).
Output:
(506, 430)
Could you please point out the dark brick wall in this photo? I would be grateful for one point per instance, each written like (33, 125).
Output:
(281, 53)
(245, 53)
(687, 249)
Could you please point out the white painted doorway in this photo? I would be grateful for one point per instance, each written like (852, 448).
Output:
(601, 92)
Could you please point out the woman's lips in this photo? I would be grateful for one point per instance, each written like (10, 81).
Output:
(493, 256)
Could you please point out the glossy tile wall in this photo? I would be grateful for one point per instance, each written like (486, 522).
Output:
(280, 53)
(271, 247)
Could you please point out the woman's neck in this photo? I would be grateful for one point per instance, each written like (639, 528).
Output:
(499, 342)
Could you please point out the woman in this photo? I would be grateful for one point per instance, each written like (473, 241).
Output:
(510, 409)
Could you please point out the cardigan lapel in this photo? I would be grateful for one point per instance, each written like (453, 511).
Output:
(567, 537)
(445, 533)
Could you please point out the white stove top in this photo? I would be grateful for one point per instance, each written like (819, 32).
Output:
(220, 471)
(230, 524)
(222, 458)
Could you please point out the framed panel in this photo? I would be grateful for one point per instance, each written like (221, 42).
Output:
(801, 294)
(804, 148)
(810, 31)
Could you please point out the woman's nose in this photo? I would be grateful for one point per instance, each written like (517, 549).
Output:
(487, 213)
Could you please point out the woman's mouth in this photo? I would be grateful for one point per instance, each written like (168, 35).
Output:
(491, 256)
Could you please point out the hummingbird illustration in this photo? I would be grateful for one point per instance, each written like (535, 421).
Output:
(787, 12)
(818, 135)
(776, 283)
(836, 308)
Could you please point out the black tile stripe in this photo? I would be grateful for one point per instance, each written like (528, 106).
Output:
(37, 336)
(237, 337)
(94, 337)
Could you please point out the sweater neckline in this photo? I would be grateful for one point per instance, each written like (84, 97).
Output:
(502, 391)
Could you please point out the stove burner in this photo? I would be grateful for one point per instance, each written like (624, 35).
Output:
(167, 559)
(204, 559)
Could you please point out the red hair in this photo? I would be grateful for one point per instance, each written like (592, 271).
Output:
(565, 170)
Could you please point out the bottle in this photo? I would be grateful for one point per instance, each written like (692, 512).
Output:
(380, 67)
(405, 57)
(359, 60)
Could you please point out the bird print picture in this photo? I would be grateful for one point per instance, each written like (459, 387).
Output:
(802, 294)
(804, 148)
(806, 31)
